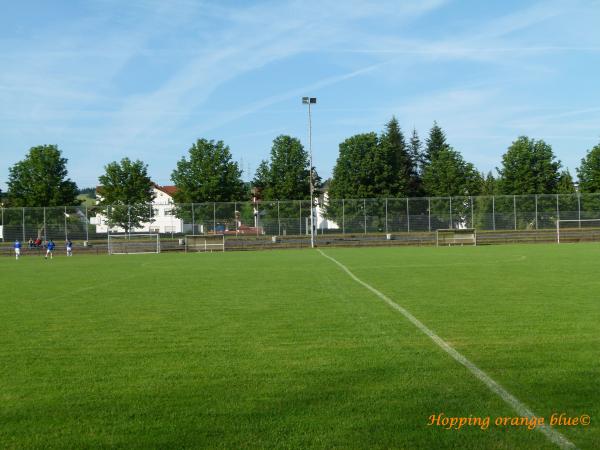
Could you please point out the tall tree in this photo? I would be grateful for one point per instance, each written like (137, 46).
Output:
(209, 175)
(361, 170)
(589, 171)
(286, 176)
(529, 167)
(435, 143)
(403, 171)
(565, 183)
(262, 177)
(125, 193)
(447, 175)
(489, 185)
(41, 179)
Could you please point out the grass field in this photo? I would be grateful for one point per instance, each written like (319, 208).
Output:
(283, 349)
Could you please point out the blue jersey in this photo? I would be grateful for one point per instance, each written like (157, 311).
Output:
(17, 244)
(51, 246)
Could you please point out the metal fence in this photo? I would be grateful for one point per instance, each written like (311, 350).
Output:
(292, 218)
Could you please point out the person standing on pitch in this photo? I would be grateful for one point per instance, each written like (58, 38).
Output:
(50, 249)
(17, 249)
(69, 247)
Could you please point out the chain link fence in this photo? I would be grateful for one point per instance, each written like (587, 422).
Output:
(90, 225)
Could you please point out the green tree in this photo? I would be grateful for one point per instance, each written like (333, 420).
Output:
(529, 167)
(448, 175)
(415, 150)
(484, 204)
(435, 143)
(41, 179)
(403, 173)
(362, 169)
(209, 175)
(286, 176)
(565, 183)
(262, 177)
(589, 171)
(489, 185)
(125, 193)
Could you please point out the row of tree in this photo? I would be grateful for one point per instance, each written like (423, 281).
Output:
(369, 165)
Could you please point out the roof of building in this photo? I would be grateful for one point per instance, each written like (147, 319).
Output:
(169, 190)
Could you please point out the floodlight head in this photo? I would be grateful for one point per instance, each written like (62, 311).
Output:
(307, 100)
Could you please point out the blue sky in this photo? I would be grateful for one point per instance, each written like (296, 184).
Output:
(104, 79)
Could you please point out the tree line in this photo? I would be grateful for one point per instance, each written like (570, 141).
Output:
(369, 165)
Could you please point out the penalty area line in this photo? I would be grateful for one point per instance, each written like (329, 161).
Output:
(518, 406)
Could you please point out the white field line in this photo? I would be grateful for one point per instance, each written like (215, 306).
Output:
(523, 411)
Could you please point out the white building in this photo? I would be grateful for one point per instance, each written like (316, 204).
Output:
(164, 219)
(321, 222)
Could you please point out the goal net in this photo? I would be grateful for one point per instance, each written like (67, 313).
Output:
(564, 227)
(205, 243)
(125, 244)
(456, 236)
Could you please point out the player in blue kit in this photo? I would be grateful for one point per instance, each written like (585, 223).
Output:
(17, 249)
(69, 247)
(50, 248)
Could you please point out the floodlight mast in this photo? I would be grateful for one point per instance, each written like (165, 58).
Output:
(309, 101)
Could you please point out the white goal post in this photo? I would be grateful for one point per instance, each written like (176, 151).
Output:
(126, 244)
(455, 236)
(575, 223)
(205, 243)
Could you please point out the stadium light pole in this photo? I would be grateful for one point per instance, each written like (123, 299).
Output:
(310, 101)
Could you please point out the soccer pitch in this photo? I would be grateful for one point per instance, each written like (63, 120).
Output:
(284, 349)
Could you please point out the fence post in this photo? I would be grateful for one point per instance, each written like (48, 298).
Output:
(235, 224)
(515, 209)
(300, 218)
(365, 213)
(2, 208)
(579, 208)
(472, 213)
(87, 225)
(23, 224)
(407, 217)
(429, 212)
(214, 218)
(193, 220)
(386, 216)
(494, 212)
(45, 234)
(257, 209)
(66, 233)
(557, 209)
(343, 217)
(450, 212)
(278, 220)
(536, 212)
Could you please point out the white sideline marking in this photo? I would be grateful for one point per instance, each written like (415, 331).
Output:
(510, 399)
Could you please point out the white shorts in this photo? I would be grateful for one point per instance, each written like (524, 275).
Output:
(17, 251)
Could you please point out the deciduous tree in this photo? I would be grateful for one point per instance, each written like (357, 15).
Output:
(529, 167)
(41, 179)
(589, 171)
(208, 175)
(126, 192)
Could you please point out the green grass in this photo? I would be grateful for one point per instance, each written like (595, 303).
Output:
(282, 349)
